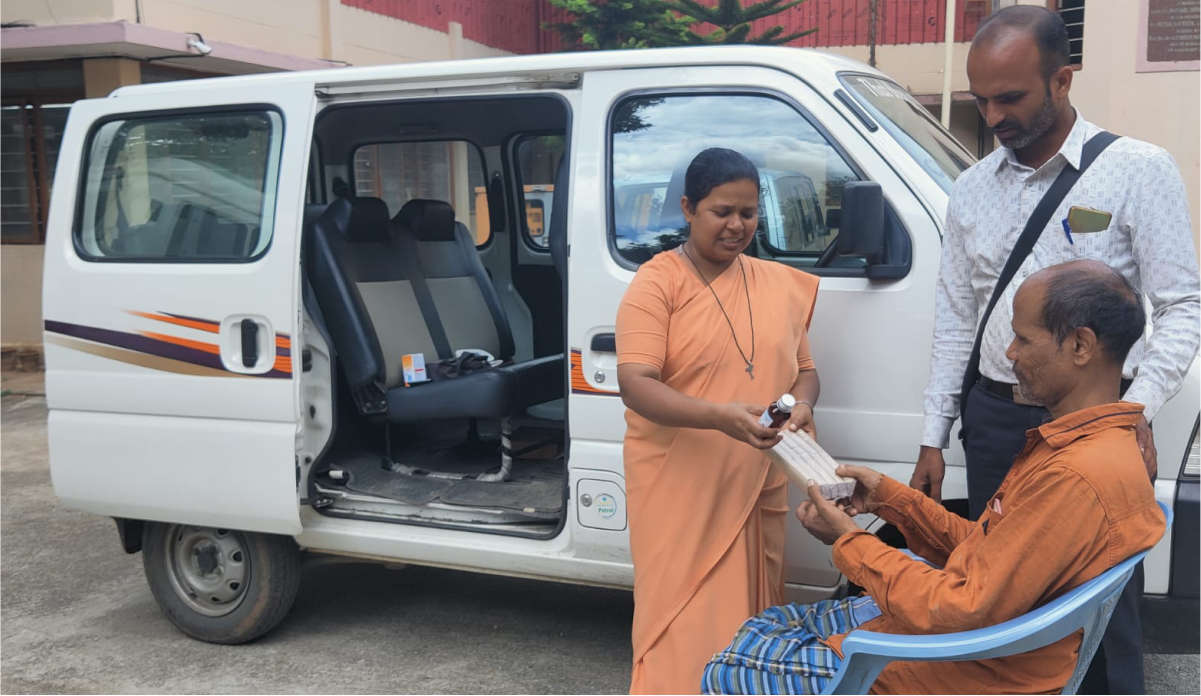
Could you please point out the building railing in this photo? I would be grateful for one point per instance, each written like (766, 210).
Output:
(519, 26)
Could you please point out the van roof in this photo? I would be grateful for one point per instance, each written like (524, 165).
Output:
(817, 67)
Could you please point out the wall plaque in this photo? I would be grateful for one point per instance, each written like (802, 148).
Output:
(1169, 35)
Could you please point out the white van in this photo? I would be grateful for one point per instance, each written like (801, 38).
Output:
(235, 268)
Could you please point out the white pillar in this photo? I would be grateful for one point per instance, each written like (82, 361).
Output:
(455, 34)
(333, 29)
(947, 63)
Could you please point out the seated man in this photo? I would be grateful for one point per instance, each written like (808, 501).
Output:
(1076, 503)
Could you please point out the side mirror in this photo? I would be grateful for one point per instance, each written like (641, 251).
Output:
(861, 221)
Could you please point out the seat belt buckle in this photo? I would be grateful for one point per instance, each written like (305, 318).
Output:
(371, 399)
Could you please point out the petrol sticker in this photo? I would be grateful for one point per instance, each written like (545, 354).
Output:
(606, 506)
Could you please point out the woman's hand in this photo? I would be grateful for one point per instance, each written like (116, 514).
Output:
(741, 422)
(802, 419)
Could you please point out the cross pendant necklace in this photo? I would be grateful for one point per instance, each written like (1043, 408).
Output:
(750, 370)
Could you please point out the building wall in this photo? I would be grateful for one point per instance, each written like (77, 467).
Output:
(21, 288)
(510, 25)
(1159, 107)
(848, 22)
(327, 29)
(50, 12)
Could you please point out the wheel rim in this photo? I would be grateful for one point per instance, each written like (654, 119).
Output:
(209, 568)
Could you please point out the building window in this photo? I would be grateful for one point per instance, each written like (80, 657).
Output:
(1072, 12)
(443, 170)
(30, 136)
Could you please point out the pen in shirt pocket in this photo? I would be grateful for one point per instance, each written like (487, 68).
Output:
(1067, 231)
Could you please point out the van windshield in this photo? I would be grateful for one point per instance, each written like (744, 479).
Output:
(943, 158)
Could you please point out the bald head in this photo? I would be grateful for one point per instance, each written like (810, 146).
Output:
(1038, 24)
(1090, 294)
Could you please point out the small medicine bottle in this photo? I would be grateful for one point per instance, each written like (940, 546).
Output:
(777, 414)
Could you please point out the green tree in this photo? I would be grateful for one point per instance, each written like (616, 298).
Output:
(733, 21)
(615, 24)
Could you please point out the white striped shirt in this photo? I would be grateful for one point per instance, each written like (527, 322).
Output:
(1149, 241)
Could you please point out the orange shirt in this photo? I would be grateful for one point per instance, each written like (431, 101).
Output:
(1076, 503)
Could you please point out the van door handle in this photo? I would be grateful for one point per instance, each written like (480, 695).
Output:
(604, 343)
(250, 343)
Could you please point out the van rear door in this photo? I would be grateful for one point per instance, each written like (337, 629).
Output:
(171, 304)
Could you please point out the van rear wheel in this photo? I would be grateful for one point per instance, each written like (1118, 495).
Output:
(220, 585)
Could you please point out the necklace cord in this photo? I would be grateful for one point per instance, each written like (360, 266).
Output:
(746, 287)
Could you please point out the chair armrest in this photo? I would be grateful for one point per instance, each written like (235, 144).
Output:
(983, 643)
(866, 653)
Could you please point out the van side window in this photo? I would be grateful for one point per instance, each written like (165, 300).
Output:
(537, 158)
(654, 138)
(451, 171)
(194, 187)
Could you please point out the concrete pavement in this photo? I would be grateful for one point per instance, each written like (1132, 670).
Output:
(78, 617)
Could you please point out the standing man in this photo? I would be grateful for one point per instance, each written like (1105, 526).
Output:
(1136, 220)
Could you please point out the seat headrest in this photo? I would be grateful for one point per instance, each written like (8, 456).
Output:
(430, 221)
(358, 219)
(368, 221)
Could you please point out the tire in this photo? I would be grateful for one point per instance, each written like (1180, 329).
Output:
(220, 585)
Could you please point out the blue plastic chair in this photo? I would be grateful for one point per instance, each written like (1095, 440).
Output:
(1087, 607)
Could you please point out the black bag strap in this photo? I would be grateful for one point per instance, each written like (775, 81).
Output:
(1025, 244)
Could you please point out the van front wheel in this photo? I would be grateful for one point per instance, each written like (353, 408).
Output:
(220, 585)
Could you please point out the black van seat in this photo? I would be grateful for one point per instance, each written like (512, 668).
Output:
(468, 313)
(390, 288)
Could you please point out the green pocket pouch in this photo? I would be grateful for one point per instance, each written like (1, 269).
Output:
(1087, 220)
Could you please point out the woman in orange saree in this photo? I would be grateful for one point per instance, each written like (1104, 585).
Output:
(706, 339)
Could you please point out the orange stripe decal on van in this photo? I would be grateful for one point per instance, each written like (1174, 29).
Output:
(283, 342)
(186, 343)
(157, 351)
(579, 383)
(198, 324)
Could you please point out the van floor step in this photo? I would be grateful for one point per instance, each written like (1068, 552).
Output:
(368, 476)
(535, 489)
(532, 496)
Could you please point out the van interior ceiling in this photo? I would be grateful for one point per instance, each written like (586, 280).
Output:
(428, 230)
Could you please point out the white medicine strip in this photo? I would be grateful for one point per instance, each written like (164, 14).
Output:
(803, 461)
